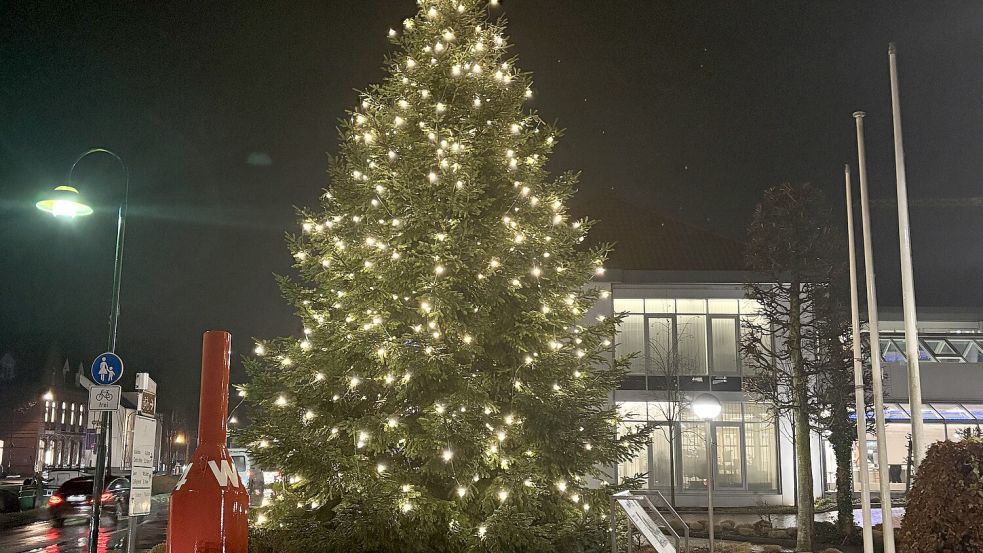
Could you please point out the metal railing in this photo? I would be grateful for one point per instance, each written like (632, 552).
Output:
(644, 496)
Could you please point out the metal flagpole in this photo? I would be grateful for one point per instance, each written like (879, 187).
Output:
(875, 344)
(907, 279)
(858, 375)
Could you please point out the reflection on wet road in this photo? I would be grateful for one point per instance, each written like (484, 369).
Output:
(41, 537)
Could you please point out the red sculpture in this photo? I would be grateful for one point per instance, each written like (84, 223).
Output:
(209, 506)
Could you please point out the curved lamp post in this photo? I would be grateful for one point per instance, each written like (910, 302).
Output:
(707, 407)
(66, 201)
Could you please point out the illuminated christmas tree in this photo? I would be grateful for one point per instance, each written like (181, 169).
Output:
(447, 393)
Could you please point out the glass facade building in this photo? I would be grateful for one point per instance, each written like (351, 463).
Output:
(950, 351)
(684, 340)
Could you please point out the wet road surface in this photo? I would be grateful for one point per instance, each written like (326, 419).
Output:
(42, 537)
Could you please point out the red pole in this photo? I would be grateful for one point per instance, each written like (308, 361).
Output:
(208, 510)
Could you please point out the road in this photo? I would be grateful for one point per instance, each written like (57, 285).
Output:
(41, 537)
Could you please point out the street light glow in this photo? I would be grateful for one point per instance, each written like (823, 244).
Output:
(64, 201)
(48, 396)
(179, 439)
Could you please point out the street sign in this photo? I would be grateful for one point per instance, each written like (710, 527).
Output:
(144, 434)
(107, 369)
(141, 463)
(139, 501)
(104, 398)
(141, 477)
(147, 403)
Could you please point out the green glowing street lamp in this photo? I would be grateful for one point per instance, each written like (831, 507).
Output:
(65, 201)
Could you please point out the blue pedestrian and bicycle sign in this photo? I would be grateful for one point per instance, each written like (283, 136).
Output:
(107, 369)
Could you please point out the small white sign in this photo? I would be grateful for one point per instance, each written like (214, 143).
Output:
(144, 435)
(139, 501)
(141, 478)
(641, 520)
(104, 398)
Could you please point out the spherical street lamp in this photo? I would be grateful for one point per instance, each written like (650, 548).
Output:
(707, 407)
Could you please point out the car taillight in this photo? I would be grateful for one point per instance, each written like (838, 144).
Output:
(55, 500)
(106, 497)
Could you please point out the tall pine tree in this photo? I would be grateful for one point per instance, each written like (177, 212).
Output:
(446, 394)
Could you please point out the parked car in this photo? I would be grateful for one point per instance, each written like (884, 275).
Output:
(73, 499)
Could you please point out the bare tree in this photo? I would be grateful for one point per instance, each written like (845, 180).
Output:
(668, 363)
(795, 348)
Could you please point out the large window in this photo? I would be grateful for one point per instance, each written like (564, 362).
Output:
(746, 453)
(937, 349)
(685, 336)
(761, 447)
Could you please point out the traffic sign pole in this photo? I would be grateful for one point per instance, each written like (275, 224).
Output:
(106, 369)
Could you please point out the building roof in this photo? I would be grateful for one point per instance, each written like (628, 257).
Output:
(646, 240)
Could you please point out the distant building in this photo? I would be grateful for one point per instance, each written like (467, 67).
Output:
(682, 288)
(43, 424)
(950, 347)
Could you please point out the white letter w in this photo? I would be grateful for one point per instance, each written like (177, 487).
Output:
(225, 474)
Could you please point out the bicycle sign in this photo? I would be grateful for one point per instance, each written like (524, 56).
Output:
(104, 398)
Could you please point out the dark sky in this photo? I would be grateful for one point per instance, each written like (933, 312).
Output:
(690, 107)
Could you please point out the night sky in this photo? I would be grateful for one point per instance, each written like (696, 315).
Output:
(225, 113)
